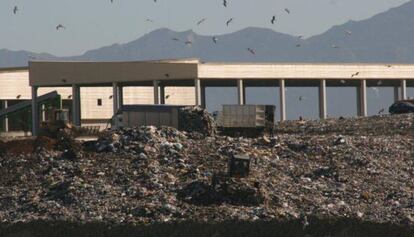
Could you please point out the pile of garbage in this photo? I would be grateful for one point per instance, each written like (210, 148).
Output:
(161, 175)
(197, 119)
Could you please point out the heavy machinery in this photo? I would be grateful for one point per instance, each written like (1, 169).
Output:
(56, 121)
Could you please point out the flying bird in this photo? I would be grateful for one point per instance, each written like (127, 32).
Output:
(379, 83)
(287, 10)
(15, 9)
(225, 3)
(343, 81)
(355, 74)
(229, 21)
(301, 98)
(60, 26)
(300, 37)
(214, 39)
(381, 111)
(273, 20)
(188, 42)
(335, 46)
(149, 20)
(348, 32)
(201, 21)
(251, 50)
(175, 39)
(298, 45)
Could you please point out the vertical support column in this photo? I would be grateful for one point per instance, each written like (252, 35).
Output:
(403, 89)
(120, 96)
(115, 98)
(76, 105)
(322, 99)
(203, 97)
(240, 92)
(197, 87)
(363, 98)
(156, 92)
(282, 95)
(396, 93)
(162, 95)
(43, 112)
(35, 112)
(5, 104)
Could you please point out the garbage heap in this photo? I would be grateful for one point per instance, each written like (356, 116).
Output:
(162, 175)
(197, 119)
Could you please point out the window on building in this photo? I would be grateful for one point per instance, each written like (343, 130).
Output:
(99, 102)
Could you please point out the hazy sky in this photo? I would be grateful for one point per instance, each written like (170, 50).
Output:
(95, 23)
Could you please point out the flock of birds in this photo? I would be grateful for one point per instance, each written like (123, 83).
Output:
(214, 39)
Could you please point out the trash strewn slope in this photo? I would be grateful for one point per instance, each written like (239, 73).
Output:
(353, 168)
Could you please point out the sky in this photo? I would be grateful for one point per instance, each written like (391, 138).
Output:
(92, 24)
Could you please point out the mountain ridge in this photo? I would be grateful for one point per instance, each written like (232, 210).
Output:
(387, 37)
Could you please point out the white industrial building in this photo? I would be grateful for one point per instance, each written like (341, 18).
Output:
(99, 89)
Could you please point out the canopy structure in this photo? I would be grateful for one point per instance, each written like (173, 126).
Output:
(193, 72)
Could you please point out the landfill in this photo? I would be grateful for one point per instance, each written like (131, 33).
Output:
(356, 168)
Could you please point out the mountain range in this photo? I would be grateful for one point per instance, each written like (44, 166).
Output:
(387, 37)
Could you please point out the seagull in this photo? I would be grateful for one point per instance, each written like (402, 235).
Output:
(381, 111)
(287, 10)
(273, 20)
(343, 81)
(15, 9)
(355, 74)
(335, 46)
(201, 21)
(251, 50)
(214, 39)
(379, 83)
(300, 37)
(301, 98)
(348, 32)
(189, 43)
(60, 26)
(229, 21)
(225, 3)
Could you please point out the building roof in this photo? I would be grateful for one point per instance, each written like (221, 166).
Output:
(43, 73)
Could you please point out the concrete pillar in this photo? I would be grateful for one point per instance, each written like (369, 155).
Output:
(156, 92)
(120, 96)
(162, 95)
(403, 89)
(322, 99)
(76, 105)
(363, 98)
(43, 112)
(282, 95)
(203, 97)
(197, 87)
(240, 92)
(35, 112)
(115, 98)
(5, 104)
(396, 93)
